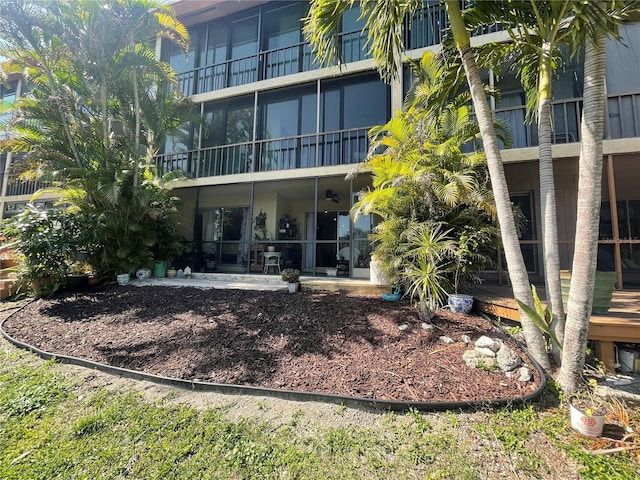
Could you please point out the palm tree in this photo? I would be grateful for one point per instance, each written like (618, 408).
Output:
(436, 209)
(536, 30)
(515, 262)
(600, 19)
(386, 20)
(588, 222)
(99, 105)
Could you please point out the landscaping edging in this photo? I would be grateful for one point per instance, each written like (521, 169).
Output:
(354, 402)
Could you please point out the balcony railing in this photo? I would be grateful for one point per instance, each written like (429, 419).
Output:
(267, 64)
(16, 187)
(302, 151)
(351, 146)
(429, 24)
(623, 113)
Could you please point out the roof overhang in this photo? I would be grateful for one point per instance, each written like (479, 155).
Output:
(191, 12)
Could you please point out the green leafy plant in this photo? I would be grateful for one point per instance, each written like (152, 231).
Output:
(290, 275)
(47, 242)
(92, 124)
(588, 401)
(541, 318)
(436, 230)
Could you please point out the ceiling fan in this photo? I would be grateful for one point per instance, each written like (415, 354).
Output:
(329, 195)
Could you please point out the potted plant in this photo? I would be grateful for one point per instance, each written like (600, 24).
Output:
(78, 276)
(587, 411)
(470, 257)
(41, 239)
(171, 272)
(291, 276)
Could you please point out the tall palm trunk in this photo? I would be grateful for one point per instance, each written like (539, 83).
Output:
(588, 221)
(551, 251)
(515, 262)
(137, 112)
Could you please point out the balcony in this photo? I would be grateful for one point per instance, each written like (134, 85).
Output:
(623, 120)
(342, 147)
(267, 64)
(17, 187)
(429, 24)
(346, 147)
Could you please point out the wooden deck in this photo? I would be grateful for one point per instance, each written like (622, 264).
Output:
(620, 324)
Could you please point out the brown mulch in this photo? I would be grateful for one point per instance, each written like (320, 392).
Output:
(339, 343)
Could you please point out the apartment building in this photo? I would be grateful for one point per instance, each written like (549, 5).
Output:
(266, 165)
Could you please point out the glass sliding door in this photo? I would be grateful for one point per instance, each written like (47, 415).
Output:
(185, 64)
(213, 59)
(327, 238)
(288, 129)
(244, 52)
(282, 40)
(225, 233)
(228, 126)
(347, 112)
(361, 252)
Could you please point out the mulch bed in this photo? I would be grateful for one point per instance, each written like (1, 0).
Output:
(339, 343)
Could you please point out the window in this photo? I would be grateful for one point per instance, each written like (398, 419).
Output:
(354, 103)
(244, 50)
(286, 117)
(228, 125)
(623, 67)
(228, 122)
(353, 41)
(215, 50)
(349, 108)
(224, 233)
(524, 201)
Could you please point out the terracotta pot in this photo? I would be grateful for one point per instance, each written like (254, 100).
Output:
(41, 285)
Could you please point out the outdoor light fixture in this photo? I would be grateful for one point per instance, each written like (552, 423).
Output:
(333, 197)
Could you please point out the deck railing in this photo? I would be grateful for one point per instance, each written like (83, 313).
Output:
(624, 115)
(302, 151)
(623, 120)
(266, 64)
(351, 146)
(429, 24)
(16, 186)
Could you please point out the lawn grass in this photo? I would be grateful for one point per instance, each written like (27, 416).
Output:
(54, 426)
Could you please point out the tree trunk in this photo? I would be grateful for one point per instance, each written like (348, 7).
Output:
(550, 249)
(588, 221)
(137, 112)
(515, 262)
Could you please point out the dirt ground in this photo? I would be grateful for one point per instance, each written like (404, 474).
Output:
(339, 343)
